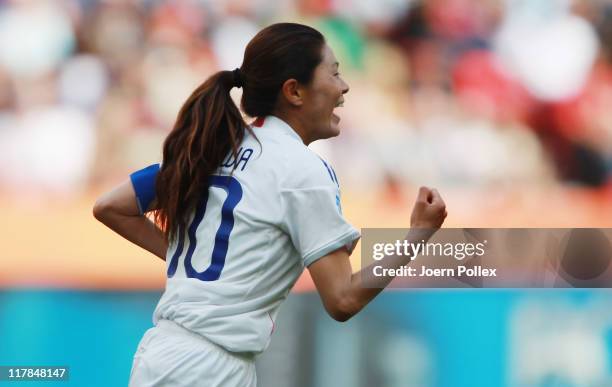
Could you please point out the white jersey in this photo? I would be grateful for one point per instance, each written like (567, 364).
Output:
(269, 213)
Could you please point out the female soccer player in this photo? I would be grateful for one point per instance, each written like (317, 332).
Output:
(242, 210)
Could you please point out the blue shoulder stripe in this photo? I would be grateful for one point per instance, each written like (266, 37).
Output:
(332, 174)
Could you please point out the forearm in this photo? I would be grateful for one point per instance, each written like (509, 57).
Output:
(119, 211)
(364, 286)
(343, 293)
(139, 230)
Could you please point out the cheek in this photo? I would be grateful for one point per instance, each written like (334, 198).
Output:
(327, 92)
(323, 99)
(321, 103)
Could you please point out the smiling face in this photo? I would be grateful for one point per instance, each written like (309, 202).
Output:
(321, 96)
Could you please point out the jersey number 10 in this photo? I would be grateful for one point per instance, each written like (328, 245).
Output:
(212, 273)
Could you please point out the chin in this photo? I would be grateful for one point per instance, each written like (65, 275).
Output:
(330, 131)
(334, 128)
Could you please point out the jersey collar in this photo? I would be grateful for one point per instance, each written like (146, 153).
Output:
(275, 123)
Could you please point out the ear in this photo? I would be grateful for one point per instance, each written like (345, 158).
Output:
(293, 92)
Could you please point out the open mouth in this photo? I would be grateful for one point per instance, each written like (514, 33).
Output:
(334, 115)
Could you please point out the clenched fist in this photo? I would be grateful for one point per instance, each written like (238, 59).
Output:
(429, 210)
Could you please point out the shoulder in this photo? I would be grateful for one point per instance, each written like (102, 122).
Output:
(305, 169)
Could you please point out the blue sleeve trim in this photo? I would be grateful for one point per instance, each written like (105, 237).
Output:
(347, 239)
(143, 182)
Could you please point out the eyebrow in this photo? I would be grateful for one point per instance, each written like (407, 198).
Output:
(336, 64)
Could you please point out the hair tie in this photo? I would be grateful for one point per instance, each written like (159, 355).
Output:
(237, 78)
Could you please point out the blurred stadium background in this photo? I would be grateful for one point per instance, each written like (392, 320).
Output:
(505, 106)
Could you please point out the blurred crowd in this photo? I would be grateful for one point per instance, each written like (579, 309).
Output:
(443, 92)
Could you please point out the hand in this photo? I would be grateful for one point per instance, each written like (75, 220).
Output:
(429, 210)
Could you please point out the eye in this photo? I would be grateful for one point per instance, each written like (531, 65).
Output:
(336, 74)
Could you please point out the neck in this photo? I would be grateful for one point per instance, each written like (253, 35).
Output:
(296, 124)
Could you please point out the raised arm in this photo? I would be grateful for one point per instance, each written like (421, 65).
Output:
(342, 292)
(118, 210)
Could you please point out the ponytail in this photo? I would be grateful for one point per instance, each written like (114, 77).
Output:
(208, 127)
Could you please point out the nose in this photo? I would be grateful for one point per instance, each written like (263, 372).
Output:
(345, 87)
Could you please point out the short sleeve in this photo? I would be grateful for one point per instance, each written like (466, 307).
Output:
(312, 218)
(143, 182)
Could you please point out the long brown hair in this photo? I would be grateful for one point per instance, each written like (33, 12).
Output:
(209, 125)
